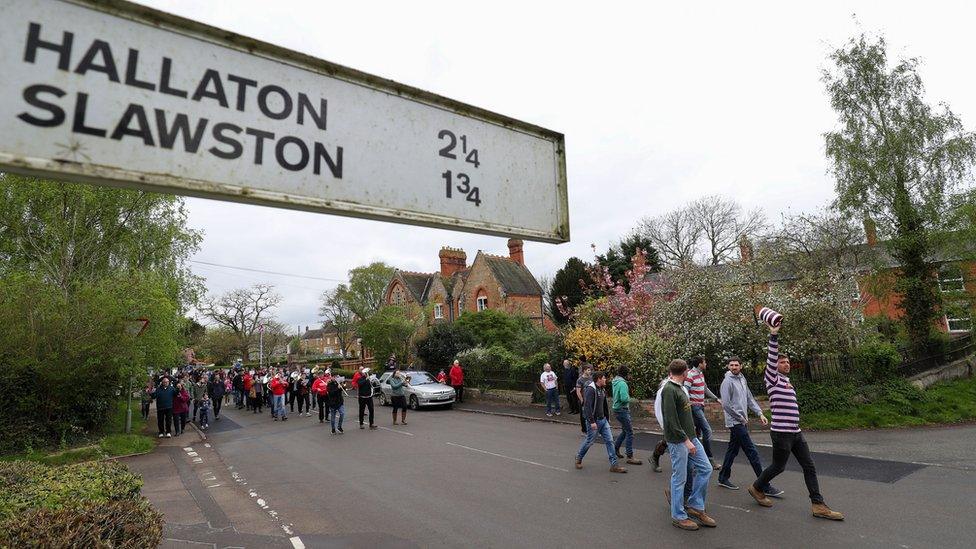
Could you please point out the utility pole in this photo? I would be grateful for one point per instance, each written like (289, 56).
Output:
(261, 346)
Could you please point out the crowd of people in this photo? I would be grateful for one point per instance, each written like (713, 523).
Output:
(195, 395)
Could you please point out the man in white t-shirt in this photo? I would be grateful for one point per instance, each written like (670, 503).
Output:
(550, 385)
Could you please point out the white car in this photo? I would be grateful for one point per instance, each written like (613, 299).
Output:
(422, 391)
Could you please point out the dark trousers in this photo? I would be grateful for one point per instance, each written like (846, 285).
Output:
(216, 406)
(459, 393)
(583, 424)
(574, 406)
(179, 422)
(365, 404)
(739, 439)
(196, 406)
(785, 444)
(145, 409)
(323, 402)
(164, 418)
(290, 400)
(257, 403)
(304, 400)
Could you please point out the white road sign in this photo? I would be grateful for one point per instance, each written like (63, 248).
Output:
(114, 93)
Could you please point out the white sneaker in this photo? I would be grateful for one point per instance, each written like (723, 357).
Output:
(161, 435)
(169, 435)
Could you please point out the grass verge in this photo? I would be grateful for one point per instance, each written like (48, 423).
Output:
(943, 403)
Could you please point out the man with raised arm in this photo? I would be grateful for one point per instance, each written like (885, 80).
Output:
(785, 432)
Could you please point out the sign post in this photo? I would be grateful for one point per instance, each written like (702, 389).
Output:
(113, 93)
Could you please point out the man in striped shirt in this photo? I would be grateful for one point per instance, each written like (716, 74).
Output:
(697, 391)
(785, 432)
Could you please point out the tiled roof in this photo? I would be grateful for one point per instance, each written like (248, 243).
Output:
(417, 283)
(513, 277)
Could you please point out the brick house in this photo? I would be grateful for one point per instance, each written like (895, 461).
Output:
(490, 282)
(325, 341)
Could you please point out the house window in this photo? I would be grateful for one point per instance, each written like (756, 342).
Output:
(958, 316)
(950, 279)
(482, 302)
(438, 310)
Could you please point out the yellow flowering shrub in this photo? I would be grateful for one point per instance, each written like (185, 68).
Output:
(604, 348)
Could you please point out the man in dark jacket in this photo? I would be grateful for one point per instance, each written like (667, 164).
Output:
(570, 375)
(597, 414)
(164, 395)
(336, 404)
(216, 391)
(364, 388)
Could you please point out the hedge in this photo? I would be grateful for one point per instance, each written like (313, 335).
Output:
(81, 505)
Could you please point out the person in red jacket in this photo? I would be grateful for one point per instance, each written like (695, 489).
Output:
(457, 381)
(442, 377)
(248, 383)
(181, 407)
(278, 387)
(321, 390)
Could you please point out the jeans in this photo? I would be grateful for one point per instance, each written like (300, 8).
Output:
(739, 439)
(783, 445)
(164, 419)
(278, 401)
(341, 412)
(680, 460)
(365, 404)
(196, 408)
(145, 409)
(703, 428)
(216, 406)
(238, 398)
(552, 400)
(602, 427)
(204, 417)
(626, 432)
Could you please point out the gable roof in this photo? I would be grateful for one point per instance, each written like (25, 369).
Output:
(513, 277)
(317, 333)
(416, 283)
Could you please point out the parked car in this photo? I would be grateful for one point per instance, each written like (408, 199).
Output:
(422, 391)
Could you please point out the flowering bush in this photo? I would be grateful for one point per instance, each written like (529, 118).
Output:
(603, 347)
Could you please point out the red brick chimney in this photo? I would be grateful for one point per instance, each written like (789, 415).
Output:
(745, 249)
(515, 251)
(870, 231)
(452, 260)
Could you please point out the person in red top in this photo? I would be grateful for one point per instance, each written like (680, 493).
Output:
(442, 377)
(278, 387)
(321, 390)
(248, 382)
(457, 381)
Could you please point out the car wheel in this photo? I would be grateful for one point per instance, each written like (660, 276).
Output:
(414, 403)
(383, 400)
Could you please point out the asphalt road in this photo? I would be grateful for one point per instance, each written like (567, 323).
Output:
(457, 479)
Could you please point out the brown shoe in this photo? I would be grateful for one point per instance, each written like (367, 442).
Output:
(686, 524)
(579, 463)
(760, 497)
(701, 517)
(715, 466)
(820, 510)
(617, 469)
(632, 461)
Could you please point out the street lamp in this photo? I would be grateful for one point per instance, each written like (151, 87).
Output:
(362, 357)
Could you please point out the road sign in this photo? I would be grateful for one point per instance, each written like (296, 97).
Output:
(114, 93)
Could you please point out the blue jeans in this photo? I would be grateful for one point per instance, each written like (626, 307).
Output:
(703, 428)
(552, 400)
(603, 427)
(341, 412)
(204, 417)
(739, 439)
(278, 405)
(680, 460)
(626, 432)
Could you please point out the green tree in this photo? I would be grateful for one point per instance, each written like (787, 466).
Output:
(443, 343)
(620, 257)
(898, 160)
(567, 288)
(494, 327)
(390, 331)
(367, 285)
(336, 309)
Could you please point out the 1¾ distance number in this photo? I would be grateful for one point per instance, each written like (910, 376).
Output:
(459, 181)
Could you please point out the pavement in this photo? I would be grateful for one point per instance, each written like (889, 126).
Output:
(452, 478)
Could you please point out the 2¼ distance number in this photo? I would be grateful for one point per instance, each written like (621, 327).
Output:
(460, 182)
(452, 140)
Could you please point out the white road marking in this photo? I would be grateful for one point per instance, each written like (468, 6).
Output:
(197, 460)
(188, 449)
(192, 454)
(520, 460)
(296, 542)
(213, 486)
(206, 444)
(736, 508)
(397, 432)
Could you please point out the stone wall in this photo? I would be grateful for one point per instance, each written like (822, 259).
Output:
(956, 370)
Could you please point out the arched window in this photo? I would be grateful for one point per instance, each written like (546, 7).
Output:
(482, 300)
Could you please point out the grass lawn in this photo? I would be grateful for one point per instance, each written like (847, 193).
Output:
(947, 402)
(114, 443)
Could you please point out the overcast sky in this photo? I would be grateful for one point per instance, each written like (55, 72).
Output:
(660, 104)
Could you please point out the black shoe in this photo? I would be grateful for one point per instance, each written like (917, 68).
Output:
(284, 418)
(727, 484)
(340, 430)
(361, 426)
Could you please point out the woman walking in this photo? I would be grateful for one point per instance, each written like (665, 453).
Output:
(181, 409)
(399, 398)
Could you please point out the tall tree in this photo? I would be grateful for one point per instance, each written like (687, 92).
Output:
(366, 287)
(898, 160)
(619, 259)
(723, 223)
(567, 288)
(391, 330)
(676, 236)
(242, 311)
(336, 310)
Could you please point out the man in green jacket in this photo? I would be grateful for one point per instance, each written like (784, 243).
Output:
(621, 409)
(197, 390)
(684, 446)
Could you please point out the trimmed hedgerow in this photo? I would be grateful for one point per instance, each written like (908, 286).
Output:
(127, 523)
